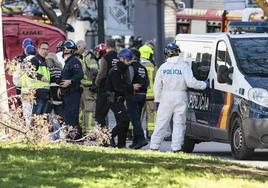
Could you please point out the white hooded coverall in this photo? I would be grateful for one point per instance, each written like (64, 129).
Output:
(171, 81)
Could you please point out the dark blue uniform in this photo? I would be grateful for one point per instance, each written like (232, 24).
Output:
(135, 103)
(71, 95)
(118, 88)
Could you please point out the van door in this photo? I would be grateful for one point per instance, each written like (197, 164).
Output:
(220, 99)
(199, 100)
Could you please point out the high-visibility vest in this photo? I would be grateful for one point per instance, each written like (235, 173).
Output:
(88, 63)
(28, 83)
(151, 75)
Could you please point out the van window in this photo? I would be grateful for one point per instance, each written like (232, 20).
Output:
(223, 57)
(201, 66)
(252, 55)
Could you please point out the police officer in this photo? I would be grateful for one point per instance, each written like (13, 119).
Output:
(171, 82)
(72, 75)
(135, 102)
(88, 103)
(118, 88)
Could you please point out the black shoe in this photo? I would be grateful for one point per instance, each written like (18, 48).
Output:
(177, 151)
(112, 143)
(121, 146)
(132, 145)
(140, 144)
(154, 149)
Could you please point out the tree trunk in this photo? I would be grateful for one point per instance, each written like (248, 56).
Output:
(3, 88)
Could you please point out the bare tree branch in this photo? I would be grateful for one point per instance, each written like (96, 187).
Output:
(48, 11)
(62, 5)
(69, 11)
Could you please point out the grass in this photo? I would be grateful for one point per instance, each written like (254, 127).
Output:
(71, 166)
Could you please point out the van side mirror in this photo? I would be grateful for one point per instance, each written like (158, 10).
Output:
(224, 74)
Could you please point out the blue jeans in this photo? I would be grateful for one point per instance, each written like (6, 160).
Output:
(135, 104)
(41, 106)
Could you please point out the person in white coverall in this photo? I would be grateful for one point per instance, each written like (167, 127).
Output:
(171, 81)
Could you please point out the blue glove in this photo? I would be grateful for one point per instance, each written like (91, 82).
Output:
(156, 105)
(207, 83)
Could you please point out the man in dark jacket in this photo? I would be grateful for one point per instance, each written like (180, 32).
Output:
(72, 75)
(43, 79)
(135, 102)
(105, 64)
(118, 87)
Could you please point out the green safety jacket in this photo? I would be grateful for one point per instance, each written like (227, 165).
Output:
(28, 83)
(151, 75)
(89, 64)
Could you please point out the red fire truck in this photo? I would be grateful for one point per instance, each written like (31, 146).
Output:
(211, 21)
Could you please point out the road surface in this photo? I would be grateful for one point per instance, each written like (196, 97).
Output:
(223, 151)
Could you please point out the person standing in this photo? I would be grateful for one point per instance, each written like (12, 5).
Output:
(25, 83)
(147, 53)
(135, 102)
(118, 88)
(55, 68)
(26, 42)
(42, 81)
(172, 79)
(72, 75)
(88, 97)
(55, 101)
(107, 61)
(59, 53)
(20, 59)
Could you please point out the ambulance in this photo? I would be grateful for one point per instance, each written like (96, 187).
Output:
(234, 109)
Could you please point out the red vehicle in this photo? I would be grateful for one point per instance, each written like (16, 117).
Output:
(17, 28)
(211, 21)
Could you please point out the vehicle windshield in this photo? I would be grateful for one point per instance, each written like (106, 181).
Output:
(252, 55)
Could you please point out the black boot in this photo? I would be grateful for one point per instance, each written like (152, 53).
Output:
(140, 144)
(112, 142)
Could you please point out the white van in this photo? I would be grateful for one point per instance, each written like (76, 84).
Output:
(235, 108)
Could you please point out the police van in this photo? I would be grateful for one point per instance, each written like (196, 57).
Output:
(235, 108)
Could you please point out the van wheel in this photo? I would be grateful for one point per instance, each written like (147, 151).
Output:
(238, 145)
(188, 145)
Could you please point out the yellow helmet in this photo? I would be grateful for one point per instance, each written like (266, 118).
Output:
(146, 51)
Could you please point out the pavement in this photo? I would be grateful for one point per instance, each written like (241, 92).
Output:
(222, 151)
(214, 149)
